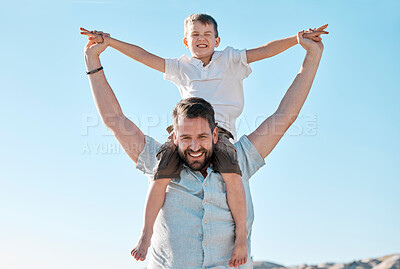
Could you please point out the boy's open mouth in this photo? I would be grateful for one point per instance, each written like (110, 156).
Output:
(202, 46)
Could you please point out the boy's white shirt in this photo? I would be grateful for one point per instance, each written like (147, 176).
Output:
(220, 82)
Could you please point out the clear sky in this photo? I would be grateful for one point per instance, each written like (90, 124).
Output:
(71, 198)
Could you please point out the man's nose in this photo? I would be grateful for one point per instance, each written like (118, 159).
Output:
(195, 145)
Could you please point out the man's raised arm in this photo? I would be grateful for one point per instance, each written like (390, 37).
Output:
(268, 134)
(127, 133)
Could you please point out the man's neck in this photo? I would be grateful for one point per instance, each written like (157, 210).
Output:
(204, 170)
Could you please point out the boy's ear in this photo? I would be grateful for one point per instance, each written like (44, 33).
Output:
(185, 41)
(217, 40)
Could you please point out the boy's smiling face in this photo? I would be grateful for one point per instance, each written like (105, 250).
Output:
(200, 40)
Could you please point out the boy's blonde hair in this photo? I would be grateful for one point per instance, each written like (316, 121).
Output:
(203, 18)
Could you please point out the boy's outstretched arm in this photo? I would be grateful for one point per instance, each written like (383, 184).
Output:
(139, 54)
(135, 52)
(275, 47)
(270, 49)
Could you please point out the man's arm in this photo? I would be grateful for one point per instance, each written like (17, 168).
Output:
(268, 134)
(275, 47)
(135, 52)
(127, 133)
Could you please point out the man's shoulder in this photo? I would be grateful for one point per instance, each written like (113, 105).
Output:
(249, 158)
(147, 158)
(244, 143)
(151, 145)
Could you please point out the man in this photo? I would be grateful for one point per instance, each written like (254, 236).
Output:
(195, 228)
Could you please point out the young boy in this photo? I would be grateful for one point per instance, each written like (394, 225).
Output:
(217, 77)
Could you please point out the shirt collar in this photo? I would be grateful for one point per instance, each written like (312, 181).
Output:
(199, 63)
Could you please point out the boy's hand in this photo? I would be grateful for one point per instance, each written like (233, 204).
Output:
(315, 34)
(96, 36)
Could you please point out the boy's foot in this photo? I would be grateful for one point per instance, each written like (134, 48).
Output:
(139, 252)
(239, 255)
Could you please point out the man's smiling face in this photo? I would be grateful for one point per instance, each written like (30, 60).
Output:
(195, 142)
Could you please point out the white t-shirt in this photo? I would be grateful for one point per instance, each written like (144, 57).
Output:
(220, 82)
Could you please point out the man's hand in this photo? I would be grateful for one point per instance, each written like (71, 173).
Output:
(315, 34)
(94, 49)
(309, 44)
(98, 41)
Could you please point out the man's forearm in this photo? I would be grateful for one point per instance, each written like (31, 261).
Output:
(271, 49)
(104, 97)
(268, 134)
(127, 133)
(139, 54)
(297, 93)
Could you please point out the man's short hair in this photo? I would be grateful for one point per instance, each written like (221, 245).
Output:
(203, 18)
(194, 107)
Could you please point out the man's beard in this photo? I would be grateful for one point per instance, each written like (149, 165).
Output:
(196, 165)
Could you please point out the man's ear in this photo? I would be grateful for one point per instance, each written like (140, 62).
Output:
(185, 42)
(175, 138)
(217, 41)
(215, 135)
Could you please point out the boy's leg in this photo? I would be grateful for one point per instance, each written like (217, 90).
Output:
(154, 201)
(225, 161)
(237, 203)
(168, 166)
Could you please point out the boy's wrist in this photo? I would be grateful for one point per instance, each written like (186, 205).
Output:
(112, 41)
(294, 37)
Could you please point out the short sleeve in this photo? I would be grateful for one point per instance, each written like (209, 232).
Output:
(239, 63)
(249, 158)
(147, 158)
(172, 70)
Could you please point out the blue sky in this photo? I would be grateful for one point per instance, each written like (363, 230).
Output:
(70, 197)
